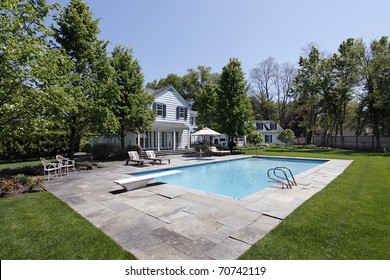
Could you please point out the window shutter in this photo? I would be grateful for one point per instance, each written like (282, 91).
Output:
(164, 110)
(154, 107)
(185, 113)
(177, 113)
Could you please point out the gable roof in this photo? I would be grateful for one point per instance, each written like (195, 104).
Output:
(161, 91)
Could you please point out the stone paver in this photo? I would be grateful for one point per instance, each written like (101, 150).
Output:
(172, 222)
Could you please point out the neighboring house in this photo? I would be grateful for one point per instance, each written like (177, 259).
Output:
(270, 131)
(172, 127)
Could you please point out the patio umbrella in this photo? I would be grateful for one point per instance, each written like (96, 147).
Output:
(206, 132)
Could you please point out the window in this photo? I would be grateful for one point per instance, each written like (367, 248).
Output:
(268, 138)
(160, 109)
(181, 113)
(272, 126)
(259, 126)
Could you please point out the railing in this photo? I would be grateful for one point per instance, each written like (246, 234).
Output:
(279, 175)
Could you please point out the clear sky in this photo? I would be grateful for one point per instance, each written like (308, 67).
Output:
(171, 36)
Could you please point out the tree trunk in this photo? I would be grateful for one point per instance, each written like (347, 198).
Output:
(72, 143)
(122, 135)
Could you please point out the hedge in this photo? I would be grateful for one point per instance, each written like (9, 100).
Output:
(36, 145)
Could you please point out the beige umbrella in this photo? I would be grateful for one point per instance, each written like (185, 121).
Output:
(206, 132)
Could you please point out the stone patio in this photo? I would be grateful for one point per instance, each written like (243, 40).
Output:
(170, 222)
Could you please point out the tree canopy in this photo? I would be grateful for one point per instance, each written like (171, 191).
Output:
(234, 112)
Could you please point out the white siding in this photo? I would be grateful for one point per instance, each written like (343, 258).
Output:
(172, 101)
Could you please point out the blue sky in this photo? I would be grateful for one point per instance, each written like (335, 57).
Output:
(171, 36)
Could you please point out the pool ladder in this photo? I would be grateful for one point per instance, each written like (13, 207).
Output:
(279, 175)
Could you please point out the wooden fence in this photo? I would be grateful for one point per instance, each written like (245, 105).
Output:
(350, 142)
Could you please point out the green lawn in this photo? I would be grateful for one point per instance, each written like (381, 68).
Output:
(349, 219)
(39, 226)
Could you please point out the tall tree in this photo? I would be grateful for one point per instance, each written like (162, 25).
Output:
(347, 68)
(307, 86)
(285, 97)
(376, 100)
(91, 85)
(31, 72)
(263, 86)
(235, 115)
(132, 104)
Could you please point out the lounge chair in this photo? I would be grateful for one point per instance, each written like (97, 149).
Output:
(66, 164)
(152, 156)
(134, 157)
(51, 168)
(216, 152)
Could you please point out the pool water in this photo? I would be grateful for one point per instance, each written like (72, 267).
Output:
(234, 178)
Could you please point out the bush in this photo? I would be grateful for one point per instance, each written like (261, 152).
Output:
(33, 146)
(27, 170)
(103, 151)
(386, 150)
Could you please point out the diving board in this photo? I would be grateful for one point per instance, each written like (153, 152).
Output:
(136, 182)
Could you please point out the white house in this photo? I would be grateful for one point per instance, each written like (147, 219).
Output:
(270, 131)
(172, 126)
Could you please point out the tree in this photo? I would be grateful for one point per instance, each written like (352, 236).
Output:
(263, 86)
(286, 136)
(376, 99)
(235, 115)
(31, 72)
(91, 86)
(347, 74)
(306, 85)
(132, 104)
(190, 85)
(284, 79)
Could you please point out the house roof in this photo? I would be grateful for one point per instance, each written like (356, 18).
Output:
(157, 91)
(162, 90)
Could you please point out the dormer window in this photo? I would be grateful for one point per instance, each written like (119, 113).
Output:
(272, 126)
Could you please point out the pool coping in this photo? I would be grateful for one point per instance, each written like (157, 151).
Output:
(165, 221)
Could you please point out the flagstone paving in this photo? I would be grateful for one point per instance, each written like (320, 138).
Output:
(170, 222)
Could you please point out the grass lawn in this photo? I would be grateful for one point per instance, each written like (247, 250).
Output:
(39, 226)
(349, 219)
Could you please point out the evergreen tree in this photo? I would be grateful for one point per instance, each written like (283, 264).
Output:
(235, 115)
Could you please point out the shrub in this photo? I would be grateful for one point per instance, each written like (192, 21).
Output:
(103, 151)
(34, 146)
(27, 170)
(386, 150)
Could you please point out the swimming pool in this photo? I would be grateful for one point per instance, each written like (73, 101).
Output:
(234, 178)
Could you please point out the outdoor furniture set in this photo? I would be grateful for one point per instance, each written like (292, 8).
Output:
(62, 166)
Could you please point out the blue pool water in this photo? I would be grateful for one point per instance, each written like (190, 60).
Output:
(234, 178)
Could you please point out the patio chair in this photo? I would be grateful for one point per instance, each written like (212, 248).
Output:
(216, 152)
(134, 157)
(50, 168)
(152, 155)
(66, 164)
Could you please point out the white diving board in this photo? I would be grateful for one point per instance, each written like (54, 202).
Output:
(137, 182)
